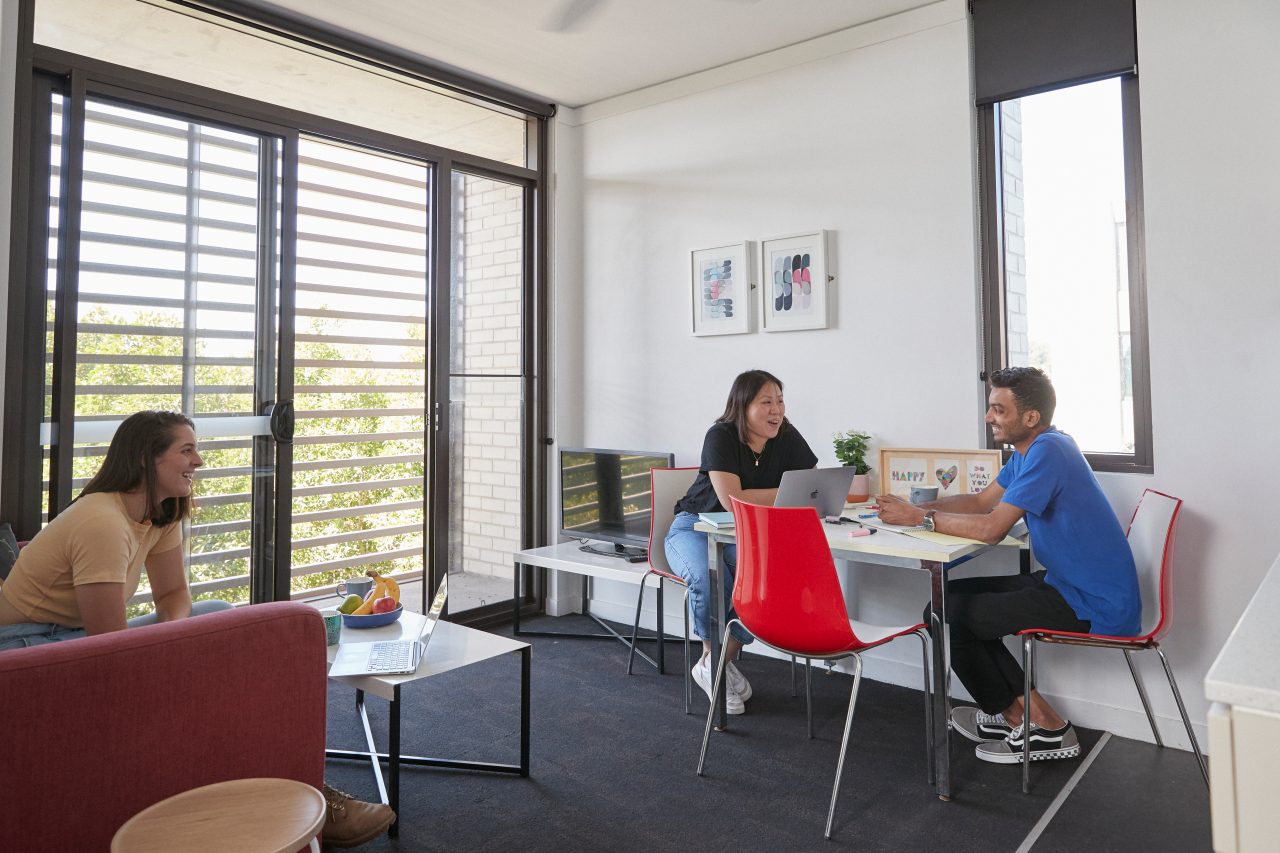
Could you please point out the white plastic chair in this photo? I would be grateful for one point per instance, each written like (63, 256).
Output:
(667, 486)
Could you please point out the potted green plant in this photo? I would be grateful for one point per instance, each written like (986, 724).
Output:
(851, 450)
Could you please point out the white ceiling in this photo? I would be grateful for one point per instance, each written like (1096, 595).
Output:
(608, 48)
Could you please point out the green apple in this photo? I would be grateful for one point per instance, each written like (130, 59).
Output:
(350, 603)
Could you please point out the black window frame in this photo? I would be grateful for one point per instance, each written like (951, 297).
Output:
(992, 258)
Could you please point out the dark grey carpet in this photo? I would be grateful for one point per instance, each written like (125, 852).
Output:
(613, 760)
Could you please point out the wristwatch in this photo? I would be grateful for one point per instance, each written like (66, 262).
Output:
(927, 521)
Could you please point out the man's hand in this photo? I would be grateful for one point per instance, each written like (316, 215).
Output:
(894, 510)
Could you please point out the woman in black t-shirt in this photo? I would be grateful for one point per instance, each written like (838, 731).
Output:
(744, 456)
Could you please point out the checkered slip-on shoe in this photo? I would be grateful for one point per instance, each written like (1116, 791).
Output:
(979, 726)
(1046, 745)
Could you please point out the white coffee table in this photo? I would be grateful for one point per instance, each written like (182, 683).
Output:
(451, 647)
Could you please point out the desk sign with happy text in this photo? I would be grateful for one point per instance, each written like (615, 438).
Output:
(954, 472)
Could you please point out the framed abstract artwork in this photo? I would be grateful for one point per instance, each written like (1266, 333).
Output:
(954, 472)
(721, 290)
(794, 291)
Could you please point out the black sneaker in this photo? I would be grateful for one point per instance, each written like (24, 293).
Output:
(979, 726)
(1046, 744)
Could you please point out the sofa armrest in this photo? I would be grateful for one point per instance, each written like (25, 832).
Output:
(102, 727)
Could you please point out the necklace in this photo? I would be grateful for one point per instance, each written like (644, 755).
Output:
(756, 455)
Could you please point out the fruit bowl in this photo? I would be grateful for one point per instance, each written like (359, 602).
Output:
(372, 620)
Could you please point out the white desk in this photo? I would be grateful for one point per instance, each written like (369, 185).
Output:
(451, 647)
(569, 557)
(883, 548)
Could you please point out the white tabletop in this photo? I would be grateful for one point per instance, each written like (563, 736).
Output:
(452, 646)
(1247, 671)
(883, 547)
(569, 557)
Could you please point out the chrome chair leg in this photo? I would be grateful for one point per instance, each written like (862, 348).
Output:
(688, 664)
(844, 742)
(808, 696)
(794, 694)
(923, 634)
(1028, 664)
(1142, 694)
(711, 711)
(635, 627)
(1182, 709)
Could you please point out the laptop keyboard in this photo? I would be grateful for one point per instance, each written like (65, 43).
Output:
(390, 656)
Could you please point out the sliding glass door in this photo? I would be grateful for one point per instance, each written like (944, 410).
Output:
(162, 292)
(360, 369)
(346, 315)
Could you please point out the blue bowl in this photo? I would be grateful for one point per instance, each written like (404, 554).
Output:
(372, 620)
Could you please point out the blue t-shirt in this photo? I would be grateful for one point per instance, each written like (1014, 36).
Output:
(1075, 533)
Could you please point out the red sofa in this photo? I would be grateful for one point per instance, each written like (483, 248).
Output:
(97, 729)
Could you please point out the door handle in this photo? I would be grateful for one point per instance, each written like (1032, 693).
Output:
(281, 414)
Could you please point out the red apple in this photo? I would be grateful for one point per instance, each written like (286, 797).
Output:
(384, 605)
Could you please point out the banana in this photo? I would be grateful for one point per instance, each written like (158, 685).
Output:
(389, 586)
(366, 607)
(393, 588)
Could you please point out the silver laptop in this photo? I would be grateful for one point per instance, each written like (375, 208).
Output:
(824, 489)
(391, 657)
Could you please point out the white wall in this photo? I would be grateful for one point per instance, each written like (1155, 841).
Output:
(868, 133)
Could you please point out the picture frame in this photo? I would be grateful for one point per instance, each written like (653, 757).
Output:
(784, 306)
(954, 472)
(720, 289)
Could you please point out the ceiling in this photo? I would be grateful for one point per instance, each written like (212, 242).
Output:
(576, 52)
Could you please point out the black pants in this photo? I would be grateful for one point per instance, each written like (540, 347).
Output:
(981, 612)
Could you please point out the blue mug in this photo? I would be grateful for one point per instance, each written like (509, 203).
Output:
(355, 586)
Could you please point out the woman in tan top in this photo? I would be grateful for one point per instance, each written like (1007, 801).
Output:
(75, 576)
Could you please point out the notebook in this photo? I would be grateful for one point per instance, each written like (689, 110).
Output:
(391, 657)
(824, 489)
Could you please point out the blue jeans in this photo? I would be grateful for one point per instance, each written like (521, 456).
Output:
(23, 634)
(687, 553)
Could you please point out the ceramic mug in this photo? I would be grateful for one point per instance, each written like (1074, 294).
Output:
(920, 494)
(355, 586)
(332, 625)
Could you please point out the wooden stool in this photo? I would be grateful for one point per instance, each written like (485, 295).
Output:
(250, 815)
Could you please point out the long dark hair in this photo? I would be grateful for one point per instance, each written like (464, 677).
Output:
(744, 390)
(131, 461)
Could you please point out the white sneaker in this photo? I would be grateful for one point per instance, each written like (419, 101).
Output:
(738, 682)
(702, 675)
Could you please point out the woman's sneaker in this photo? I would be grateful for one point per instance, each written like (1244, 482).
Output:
(1046, 744)
(979, 726)
(702, 676)
(738, 682)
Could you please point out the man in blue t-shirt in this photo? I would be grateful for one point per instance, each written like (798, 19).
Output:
(1090, 584)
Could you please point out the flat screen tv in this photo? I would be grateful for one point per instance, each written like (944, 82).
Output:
(605, 496)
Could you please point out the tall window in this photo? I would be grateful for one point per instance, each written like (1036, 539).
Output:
(1062, 225)
(352, 317)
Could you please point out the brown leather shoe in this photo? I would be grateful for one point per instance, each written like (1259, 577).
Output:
(349, 822)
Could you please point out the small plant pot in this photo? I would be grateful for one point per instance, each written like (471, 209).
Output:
(860, 488)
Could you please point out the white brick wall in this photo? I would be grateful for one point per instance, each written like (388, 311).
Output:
(489, 515)
(1015, 258)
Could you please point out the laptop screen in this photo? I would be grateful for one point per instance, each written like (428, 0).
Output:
(437, 607)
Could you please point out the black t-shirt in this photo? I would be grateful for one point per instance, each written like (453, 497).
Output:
(722, 451)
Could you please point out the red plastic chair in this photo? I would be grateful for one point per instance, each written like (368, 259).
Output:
(1150, 537)
(788, 596)
(666, 487)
